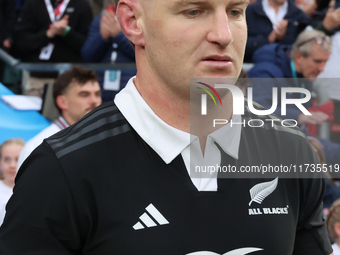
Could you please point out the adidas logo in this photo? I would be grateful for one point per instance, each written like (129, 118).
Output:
(150, 218)
(242, 251)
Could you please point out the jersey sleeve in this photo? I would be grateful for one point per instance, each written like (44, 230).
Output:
(41, 215)
(311, 234)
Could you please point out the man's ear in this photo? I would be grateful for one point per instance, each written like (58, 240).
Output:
(61, 102)
(127, 18)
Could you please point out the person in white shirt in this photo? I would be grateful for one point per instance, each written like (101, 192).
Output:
(9, 153)
(76, 92)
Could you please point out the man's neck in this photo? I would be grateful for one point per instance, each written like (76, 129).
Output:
(166, 105)
(172, 104)
(176, 109)
(274, 5)
(68, 118)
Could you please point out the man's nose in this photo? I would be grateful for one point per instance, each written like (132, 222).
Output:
(322, 67)
(220, 31)
(95, 100)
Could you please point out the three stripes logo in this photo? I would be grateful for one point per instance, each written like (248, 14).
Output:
(151, 218)
(242, 251)
(204, 97)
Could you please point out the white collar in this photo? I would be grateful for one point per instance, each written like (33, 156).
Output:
(272, 15)
(167, 141)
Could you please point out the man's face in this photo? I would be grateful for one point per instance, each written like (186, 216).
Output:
(193, 39)
(80, 100)
(314, 64)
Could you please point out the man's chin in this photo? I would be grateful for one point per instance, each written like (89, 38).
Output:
(88, 111)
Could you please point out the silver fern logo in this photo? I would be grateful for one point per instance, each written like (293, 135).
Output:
(242, 251)
(262, 190)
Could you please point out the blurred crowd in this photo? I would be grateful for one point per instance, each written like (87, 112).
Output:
(298, 41)
(64, 31)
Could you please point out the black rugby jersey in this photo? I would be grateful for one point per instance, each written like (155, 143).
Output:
(97, 188)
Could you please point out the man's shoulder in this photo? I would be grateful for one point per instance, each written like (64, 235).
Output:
(295, 13)
(30, 4)
(270, 59)
(265, 69)
(256, 8)
(104, 122)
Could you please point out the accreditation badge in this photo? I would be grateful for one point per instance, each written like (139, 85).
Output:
(112, 80)
(46, 52)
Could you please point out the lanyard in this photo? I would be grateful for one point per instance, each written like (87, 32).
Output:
(58, 12)
(61, 123)
(292, 66)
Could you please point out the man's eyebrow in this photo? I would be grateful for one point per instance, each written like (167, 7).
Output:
(195, 2)
(239, 2)
(189, 2)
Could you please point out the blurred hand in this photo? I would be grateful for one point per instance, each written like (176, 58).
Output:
(60, 25)
(109, 26)
(281, 29)
(317, 118)
(7, 44)
(51, 33)
(332, 19)
(279, 32)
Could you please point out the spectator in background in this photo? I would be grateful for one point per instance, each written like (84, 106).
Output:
(106, 43)
(305, 59)
(329, 12)
(7, 22)
(333, 226)
(76, 92)
(280, 21)
(9, 153)
(273, 21)
(52, 31)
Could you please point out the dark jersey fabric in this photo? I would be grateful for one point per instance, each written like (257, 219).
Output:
(83, 190)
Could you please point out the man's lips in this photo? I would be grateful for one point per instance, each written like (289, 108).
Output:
(219, 61)
(217, 58)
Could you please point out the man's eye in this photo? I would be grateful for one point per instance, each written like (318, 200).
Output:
(235, 13)
(83, 94)
(193, 13)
